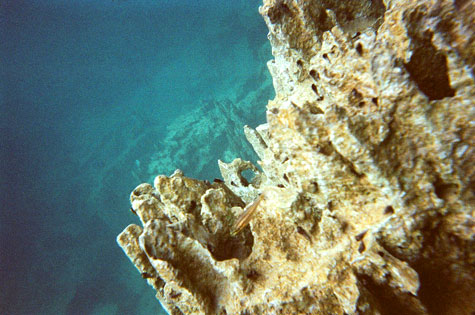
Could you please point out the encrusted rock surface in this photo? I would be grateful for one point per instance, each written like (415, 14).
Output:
(368, 175)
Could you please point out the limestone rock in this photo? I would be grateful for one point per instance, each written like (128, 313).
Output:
(368, 175)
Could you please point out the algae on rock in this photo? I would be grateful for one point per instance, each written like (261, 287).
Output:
(368, 173)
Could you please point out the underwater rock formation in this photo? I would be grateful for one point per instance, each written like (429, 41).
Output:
(367, 181)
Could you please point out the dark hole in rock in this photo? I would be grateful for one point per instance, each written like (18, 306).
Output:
(286, 178)
(432, 289)
(362, 247)
(389, 210)
(375, 101)
(146, 275)
(314, 88)
(133, 211)
(313, 188)
(252, 274)
(304, 233)
(391, 302)
(355, 97)
(322, 21)
(224, 247)
(356, 94)
(359, 49)
(360, 236)
(326, 149)
(444, 190)
(428, 67)
(248, 176)
(451, 290)
(174, 294)
(344, 226)
(314, 75)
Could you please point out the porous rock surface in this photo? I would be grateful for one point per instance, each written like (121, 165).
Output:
(367, 171)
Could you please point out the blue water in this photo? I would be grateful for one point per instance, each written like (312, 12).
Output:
(97, 97)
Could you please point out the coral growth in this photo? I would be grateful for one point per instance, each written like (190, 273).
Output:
(367, 166)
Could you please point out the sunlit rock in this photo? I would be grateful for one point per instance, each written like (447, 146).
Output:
(367, 170)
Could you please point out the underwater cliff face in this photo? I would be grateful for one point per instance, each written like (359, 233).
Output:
(366, 183)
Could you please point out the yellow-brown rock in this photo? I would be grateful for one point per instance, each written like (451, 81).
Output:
(368, 175)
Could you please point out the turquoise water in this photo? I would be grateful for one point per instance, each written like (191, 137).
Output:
(97, 97)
